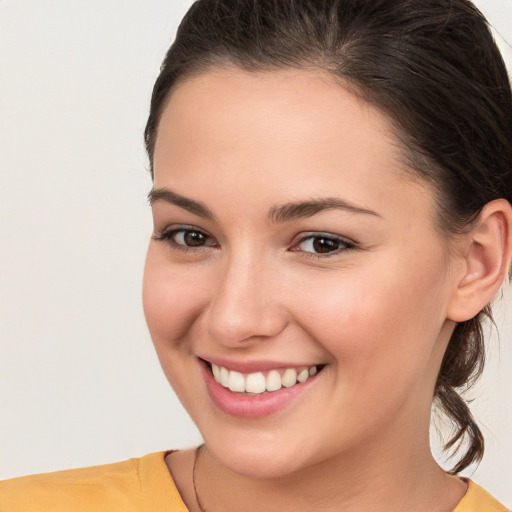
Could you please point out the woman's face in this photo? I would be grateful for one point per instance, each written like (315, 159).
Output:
(289, 238)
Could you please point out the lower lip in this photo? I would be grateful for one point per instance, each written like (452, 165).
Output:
(247, 406)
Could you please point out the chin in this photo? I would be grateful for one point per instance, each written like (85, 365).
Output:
(258, 458)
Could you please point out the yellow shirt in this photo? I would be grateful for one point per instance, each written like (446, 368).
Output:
(136, 485)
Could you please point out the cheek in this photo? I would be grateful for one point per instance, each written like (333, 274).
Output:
(172, 297)
(380, 342)
(368, 318)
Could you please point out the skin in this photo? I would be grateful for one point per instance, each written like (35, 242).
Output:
(376, 313)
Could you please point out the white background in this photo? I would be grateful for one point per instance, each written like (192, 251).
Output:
(79, 383)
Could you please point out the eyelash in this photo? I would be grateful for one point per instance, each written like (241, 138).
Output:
(168, 237)
(344, 244)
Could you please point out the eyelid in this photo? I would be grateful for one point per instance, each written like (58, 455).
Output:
(167, 234)
(347, 244)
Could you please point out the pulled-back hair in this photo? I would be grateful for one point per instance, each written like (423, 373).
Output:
(431, 65)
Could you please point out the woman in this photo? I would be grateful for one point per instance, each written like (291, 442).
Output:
(332, 216)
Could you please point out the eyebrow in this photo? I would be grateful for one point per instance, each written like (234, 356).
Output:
(168, 196)
(277, 213)
(305, 209)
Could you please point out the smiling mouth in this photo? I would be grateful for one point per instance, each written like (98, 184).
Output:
(258, 383)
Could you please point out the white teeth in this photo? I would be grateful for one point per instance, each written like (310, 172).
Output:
(273, 381)
(303, 375)
(289, 378)
(257, 383)
(216, 372)
(236, 382)
(224, 377)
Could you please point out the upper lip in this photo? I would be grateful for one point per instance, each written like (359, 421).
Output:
(253, 366)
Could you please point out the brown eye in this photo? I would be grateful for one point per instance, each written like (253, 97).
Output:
(192, 238)
(323, 244)
(184, 238)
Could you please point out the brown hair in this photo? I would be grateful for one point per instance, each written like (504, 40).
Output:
(431, 65)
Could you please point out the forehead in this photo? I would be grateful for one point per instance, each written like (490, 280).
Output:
(292, 130)
(228, 104)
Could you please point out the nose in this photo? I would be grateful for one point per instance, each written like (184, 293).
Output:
(245, 306)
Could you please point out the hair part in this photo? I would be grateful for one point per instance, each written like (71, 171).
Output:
(431, 65)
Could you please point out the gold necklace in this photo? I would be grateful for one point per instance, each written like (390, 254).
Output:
(196, 458)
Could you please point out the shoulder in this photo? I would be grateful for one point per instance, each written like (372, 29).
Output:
(478, 499)
(125, 486)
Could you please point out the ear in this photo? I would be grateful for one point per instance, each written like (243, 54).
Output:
(485, 258)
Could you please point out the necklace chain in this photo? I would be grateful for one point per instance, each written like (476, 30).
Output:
(196, 458)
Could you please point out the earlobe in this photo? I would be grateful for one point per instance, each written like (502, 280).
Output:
(486, 261)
